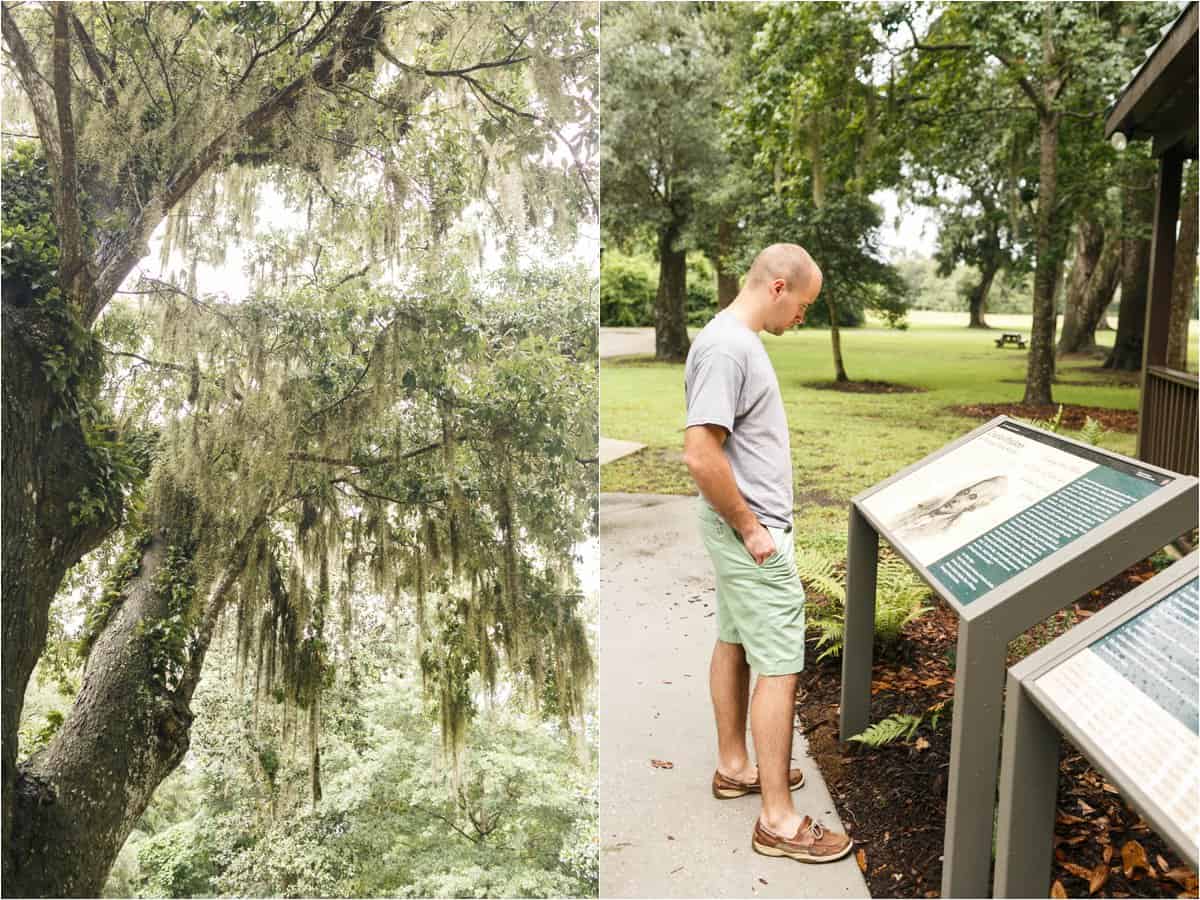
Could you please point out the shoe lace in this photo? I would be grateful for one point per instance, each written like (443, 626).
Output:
(817, 831)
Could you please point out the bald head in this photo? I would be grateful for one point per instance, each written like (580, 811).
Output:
(789, 262)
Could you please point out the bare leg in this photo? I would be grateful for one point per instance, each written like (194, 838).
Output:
(729, 683)
(772, 714)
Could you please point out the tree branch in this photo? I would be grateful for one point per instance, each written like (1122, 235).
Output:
(236, 562)
(66, 194)
(34, 84)
(369, 464)
(351, 53)
(95, 63)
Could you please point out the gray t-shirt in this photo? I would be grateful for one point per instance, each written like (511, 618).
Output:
(729, 381)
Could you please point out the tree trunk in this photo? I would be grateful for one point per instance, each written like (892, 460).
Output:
(47, 465)
(670, 303)
(727, 282)
(1138, 214)
(1090, 287)
(835, 338)
(1185, 276)
(1040, 373)
(78, 799)
(979, 295)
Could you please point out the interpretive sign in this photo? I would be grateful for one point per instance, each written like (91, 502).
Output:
(1123, 687)
(995, 505)
(1008, 524)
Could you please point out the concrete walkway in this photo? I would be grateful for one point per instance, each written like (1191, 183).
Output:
(626, 342)
(611, 448)
(661, 832)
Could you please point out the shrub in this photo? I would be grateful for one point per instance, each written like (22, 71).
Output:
(627, 288)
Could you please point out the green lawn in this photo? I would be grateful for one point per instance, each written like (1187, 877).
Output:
(843, 443)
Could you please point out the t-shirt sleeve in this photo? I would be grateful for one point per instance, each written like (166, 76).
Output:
(716, 384)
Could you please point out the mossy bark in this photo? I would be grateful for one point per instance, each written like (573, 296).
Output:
(78, 799)
(46, 466)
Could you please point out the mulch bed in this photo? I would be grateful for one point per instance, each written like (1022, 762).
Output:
(893, 799)
(1124, 420)
(864, 387)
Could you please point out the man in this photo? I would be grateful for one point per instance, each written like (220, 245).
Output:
(737, 450)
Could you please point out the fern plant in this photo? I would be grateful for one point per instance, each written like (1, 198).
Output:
(898, 726)
(899, 599)
(1091, 432)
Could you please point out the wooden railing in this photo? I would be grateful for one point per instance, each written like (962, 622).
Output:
(1167, 428)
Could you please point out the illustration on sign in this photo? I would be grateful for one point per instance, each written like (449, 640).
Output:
(1001, 502)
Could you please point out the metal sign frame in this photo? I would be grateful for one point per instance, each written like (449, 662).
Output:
(1033, 726)
(986, 625)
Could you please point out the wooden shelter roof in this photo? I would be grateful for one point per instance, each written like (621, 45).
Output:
(1159, 102)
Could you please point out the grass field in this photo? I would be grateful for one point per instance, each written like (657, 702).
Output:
(843, 443)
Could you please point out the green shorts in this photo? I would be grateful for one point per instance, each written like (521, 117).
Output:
(760, 607)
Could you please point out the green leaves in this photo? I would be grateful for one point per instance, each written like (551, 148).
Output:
(899, 726)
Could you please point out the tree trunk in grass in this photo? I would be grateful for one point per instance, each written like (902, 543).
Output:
(1185, 275)
(1040, 372)
(1138, 210)
(1090, 287)
(977, 301)
(835, 338)
(727, 281)
(670, 303)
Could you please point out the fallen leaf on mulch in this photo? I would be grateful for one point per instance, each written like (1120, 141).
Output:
(1077, 870)
(1133, 857)
(861, 858)
(1058, 891)
(1068, 819)
(1099, 876)
(921, 744)
(1182, 876)
(662, 764)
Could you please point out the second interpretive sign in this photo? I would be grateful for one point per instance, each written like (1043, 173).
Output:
(992, 507)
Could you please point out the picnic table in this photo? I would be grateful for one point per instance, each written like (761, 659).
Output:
(1010, 337)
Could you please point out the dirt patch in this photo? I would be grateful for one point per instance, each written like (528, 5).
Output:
(893, 799)
(1097, 382)
(864, 387)
(1123, 420)
(816, 498)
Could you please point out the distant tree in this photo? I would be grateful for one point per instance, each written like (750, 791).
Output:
(1051, 64)
(660, 151)
(811, 123)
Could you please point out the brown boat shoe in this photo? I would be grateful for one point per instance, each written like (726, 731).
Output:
(810, 844)
(725, 788)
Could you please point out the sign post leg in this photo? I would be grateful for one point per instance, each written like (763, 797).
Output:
(974, 759)
(1028, 789)
(862, 560)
